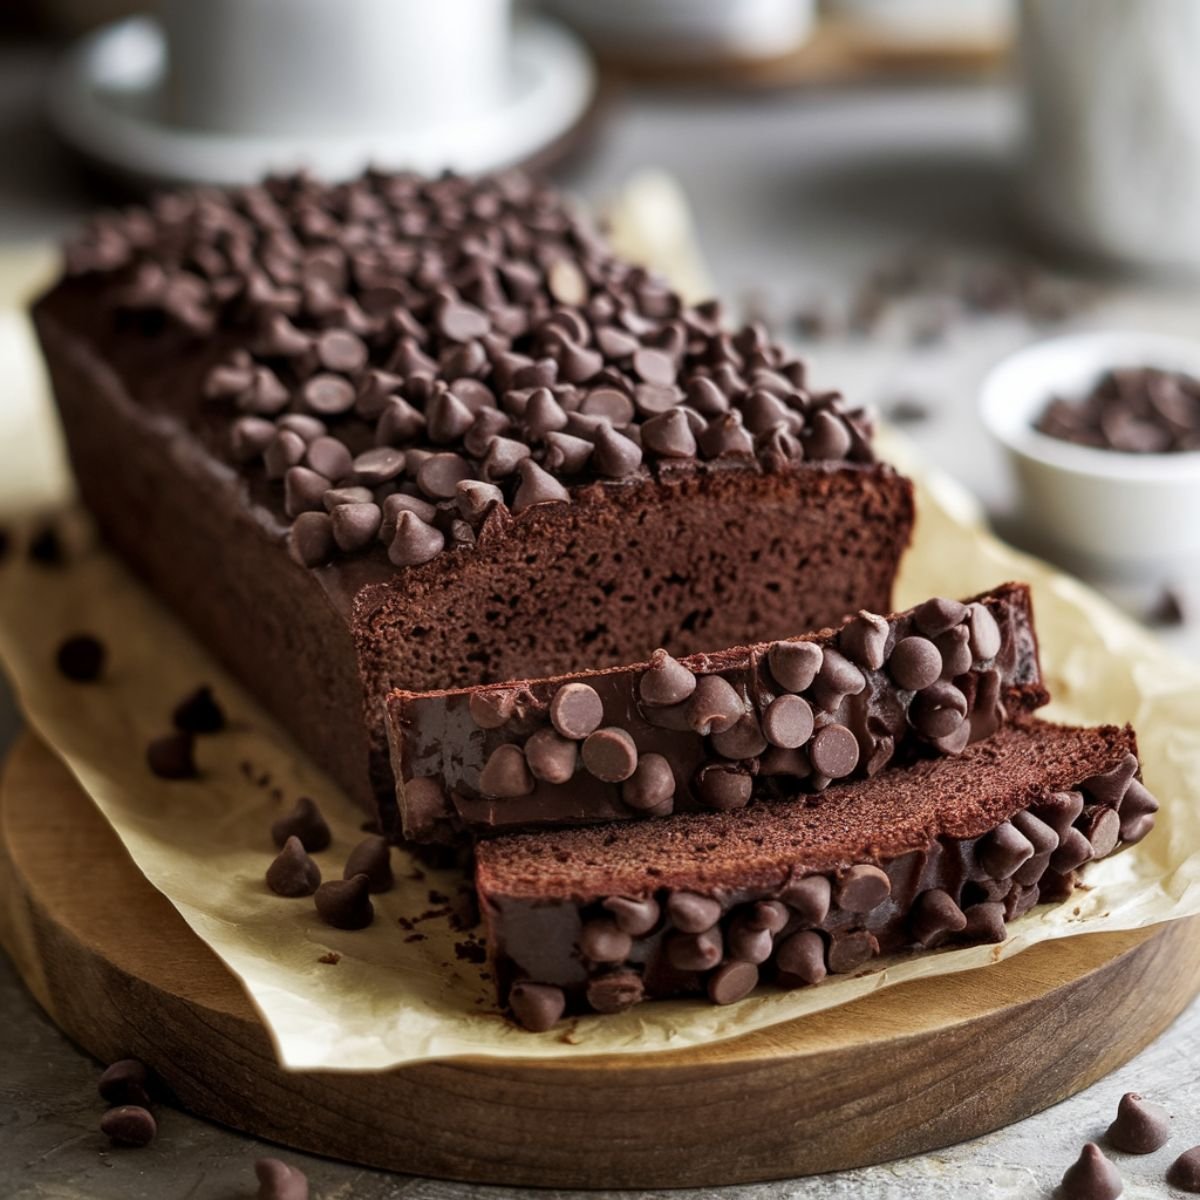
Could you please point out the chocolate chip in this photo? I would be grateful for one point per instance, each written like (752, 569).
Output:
(292, 872)
(938, 615)
(328, 395)
(551, 757)
(307, 428)
(341, 351)
(249, 437)
(615, 991)
(1103, 830)
(834, 751)
(566, 454)
(603, 941)
(714, 706)
(1091, 1177)
(310, 542)
(938, 710)
(915, 663)
(129, 1125)
(694, 951)
(576, 710)
(863, 888)
(1038, 833)
(634, 917)
(747, 941)
(536, 487)
(170, 756)
(1141, 1126)
(345, 903)
(955, 649)
(266, 394)
(837, 677)
(415, 542)
(935, 914)
(985, 922)
(651, 787)
(787, 722)
(794, 664)
(199, 712)
(506, 773)
(536, 1006)
(304, 822)
(691, 913)
(669, 435)
(329, 457)
(462, 322)
(731, 982)
(425, 804)
(1073, 851)
(378, 465)
(126, 1081)
(45, 548)
(303, 491)
(744, 740)
(809, 898)
(440, 474)
(800, 958)
(610, 754)
(827, 437)
(1003, 851)
(848, 951)
(492, 708)
(666, 681)
(864, 640)
(724, 788)
(1184, 1172)
(355, 526)
(81, 658)
(372, 857)
(1110, 786)
(278, 1181)
(614, 454)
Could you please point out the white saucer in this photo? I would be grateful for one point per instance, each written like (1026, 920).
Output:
(105, 101)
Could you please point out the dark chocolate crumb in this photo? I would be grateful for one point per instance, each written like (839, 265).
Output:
(46, 548)
(906, 410)
(5, 543)
(199, 713)
(470, 951)
(415, 937)
(125, 1082)
(1167, 610)
(330, 958)
(171, 757)
(81, 658)
(129, 1125)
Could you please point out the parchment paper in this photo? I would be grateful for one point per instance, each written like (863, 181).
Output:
(409, 988)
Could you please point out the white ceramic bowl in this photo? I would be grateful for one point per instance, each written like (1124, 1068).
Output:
(1124, 515)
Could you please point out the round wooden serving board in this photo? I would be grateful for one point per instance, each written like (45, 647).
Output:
(904, 1071)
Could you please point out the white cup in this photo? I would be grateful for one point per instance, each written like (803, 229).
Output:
(321, 68)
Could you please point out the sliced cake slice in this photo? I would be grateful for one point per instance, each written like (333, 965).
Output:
(945, 850)
(712, 731)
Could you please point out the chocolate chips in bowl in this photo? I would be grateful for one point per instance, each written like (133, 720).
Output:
(1102, 430)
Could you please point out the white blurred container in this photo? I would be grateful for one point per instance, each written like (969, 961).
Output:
(931, 22)
(326, 67)
(1126, 516)
(675, 31)
(1112, 152)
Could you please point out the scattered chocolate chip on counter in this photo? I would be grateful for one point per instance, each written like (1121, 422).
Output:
(278, 1181)
(199, 713)
(171, 756)
(125, 1082)
(346, 903)
(5, 543)
(46, 548)
(1141, 1126)
(1184, 1172)
(293, 872)
(372, 857)
(306, 823)
(906, 410)
(1132, 410)
(80, 658)
(1091, 1177)
(129, 1125)
(1168, 610)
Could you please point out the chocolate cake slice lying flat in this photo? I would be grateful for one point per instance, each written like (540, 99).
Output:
(433, 433)
(943, 851)
(713, 731)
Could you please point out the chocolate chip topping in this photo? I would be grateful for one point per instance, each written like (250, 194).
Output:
(199, 713)
(536, 1006)
(863, 888)
(939, 615)
(731, 982)
(292, 872)
(915, 663)
(834, 751)
(615, 991)
(129, 1125)
(372, 857)
(1184, 1172)
(506, 774)
(306, 823)
(666, 682)
(634, 917)
(795, 664)
(1140, 1127)
(1092, 1177)
(492, 708)
(576, 710)
(714, 707)
(551, 757)
(610, 754)
(171, 756)
(651, 787)
(345, 903)
(864, 640)
(800, 958)
(80, 658)
(278, 1181)
(604, 941)
(787, 722)
(938, 710)
(126, 1081)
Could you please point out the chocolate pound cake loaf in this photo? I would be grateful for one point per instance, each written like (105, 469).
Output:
(712, 731)
(943, 851)
(433, 433)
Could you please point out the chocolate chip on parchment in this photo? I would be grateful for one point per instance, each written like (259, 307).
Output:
(80, 658)
(278, 1181)
(126, 1081)
(129, 1125)
(372, 857)
(536, 1006)
(1091, 1177)
(1140, 1127)
(306, 823)
(345, 903)
(171, 756)
(292, 872)
(199, 712)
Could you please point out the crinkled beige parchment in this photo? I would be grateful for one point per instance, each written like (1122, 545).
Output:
(401, 994)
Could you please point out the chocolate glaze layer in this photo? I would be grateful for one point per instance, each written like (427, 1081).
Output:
(441, 751)
(946, 850)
